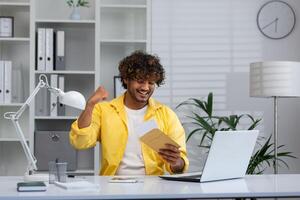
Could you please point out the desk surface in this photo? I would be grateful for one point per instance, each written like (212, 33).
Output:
(153, 187)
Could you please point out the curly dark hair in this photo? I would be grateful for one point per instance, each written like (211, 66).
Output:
(141, 66)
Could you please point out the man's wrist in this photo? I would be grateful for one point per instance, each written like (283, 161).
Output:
(89, 106)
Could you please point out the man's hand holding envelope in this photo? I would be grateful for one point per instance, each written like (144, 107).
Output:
(167, 148)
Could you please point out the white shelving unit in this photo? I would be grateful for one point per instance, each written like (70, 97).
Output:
(79, 69)
(15, 49)
(108, 31)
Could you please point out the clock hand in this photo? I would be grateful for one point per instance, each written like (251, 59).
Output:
(274, 21)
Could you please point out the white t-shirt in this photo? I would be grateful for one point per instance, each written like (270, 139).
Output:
(133, 162)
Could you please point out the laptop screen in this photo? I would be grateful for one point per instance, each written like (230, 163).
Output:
(228, 157)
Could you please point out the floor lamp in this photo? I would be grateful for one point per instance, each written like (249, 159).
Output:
(275, 79)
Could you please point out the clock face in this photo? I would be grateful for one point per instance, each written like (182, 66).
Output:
(276, 19)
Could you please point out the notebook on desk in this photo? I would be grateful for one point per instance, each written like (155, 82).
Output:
(228, 157)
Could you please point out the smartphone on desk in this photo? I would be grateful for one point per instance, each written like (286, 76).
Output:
(123, 180)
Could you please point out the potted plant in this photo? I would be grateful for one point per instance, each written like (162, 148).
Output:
(75, 5)
(206, 124)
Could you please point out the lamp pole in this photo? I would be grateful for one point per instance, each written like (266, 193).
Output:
(275, 163)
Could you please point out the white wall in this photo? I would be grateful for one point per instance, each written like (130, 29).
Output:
(207, 45)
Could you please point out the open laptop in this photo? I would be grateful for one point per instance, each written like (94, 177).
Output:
(228, 157)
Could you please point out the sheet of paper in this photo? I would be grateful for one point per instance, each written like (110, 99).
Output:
(145, 127)
(156, 139)
(77, 185)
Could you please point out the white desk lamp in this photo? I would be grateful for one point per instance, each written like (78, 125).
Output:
(71, 98)
(275, 79)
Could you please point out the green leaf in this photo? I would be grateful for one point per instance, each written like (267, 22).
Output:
(209, 104)
(192, 133)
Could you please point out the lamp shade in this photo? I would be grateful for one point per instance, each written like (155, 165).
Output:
(73, 99)
(275, 79)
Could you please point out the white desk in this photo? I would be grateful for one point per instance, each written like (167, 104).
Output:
(155, 188)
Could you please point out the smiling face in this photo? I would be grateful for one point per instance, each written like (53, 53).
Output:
(138, 92)
(140, 74)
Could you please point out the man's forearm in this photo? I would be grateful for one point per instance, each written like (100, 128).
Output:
(85, 117)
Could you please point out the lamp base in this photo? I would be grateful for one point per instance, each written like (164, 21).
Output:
(36, 177)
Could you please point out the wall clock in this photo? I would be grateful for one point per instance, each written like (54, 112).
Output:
(276, 19)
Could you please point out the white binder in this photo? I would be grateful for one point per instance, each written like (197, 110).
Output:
(60, 106)
(1, 81)
(60, 51)
(7, 81)
(42, 103)
(49, 49)
(17, 90)
(41, 40)
(53, 98)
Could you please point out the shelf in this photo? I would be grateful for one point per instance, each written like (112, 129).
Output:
(66, 72)
(25, 4)
(11, 139)
(14, 39)
(124, 2)
(122, 6)
(122, 41)
(11, 104)
(56, 118)
(67, 21)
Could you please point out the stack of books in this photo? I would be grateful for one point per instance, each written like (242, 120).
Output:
(31, 186)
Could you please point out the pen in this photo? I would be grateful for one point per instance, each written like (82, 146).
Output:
(57, 170)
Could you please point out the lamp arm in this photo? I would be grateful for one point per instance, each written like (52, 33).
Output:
(40, 85)
(14, 117)
(30, 157)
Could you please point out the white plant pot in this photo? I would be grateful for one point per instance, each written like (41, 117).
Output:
(75, 15)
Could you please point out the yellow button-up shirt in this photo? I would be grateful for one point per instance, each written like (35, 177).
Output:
(109, 127)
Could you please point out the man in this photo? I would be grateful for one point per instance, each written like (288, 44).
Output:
(114, 123)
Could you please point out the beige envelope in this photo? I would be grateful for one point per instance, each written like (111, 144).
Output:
(156, 139)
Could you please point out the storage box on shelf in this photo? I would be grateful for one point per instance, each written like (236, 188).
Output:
(85, 158)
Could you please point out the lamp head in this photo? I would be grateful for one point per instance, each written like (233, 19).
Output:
(72, 99)
(275, 79)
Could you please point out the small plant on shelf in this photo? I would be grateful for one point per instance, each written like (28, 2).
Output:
(78, 3)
